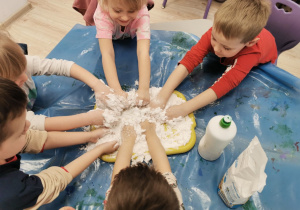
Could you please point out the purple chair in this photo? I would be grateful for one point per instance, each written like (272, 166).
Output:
(206, 9)
(284, 24)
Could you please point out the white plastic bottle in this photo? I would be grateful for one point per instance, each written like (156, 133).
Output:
(219, 133)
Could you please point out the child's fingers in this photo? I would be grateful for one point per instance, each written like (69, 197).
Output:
(111, 118)
(116, 146)
(144, 124)
(157, 103)
(99, 133)
(100, 95)
(128, 133)
(141, 102)
(143, 98)
(174, 112)
(109, 147)
(96, 116)
(127, 128)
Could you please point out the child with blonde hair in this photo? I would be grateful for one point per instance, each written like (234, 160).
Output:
(140, 186)
(120, 19)
(20, 68)
(240, 41)
(23, 191)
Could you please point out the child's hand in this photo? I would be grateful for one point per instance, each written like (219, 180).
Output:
(128, 133)
(121, 93)
(96, 134)
(143, 97)
(102, 90)
(111, 118)
(95, 117)
(108, 147)
(146, 125)
(158, 102)
(121, 98)
(105, 95)
(176, 111)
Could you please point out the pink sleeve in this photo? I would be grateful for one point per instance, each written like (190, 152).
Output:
(104, 25)
(141, 24)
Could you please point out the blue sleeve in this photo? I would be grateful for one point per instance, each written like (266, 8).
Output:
(19, 190)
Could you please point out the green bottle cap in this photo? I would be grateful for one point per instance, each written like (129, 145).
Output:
(226, 121)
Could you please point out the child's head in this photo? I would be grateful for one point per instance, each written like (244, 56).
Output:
(141, 187)
(12, 60)
(122, 11)
(13, 123)
(239, 21)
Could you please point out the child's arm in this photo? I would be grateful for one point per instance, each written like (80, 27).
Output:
(173, 81)
(203, 99)
(37, 66)
(109, 66)
(63, 123)
(63, 139)
(125, 151)
(156, 150)
(191, 59)
(143, 47)
(55, 179)
(82, 162)
(77, 72)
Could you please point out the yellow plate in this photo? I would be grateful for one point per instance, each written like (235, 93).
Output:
(169, 151)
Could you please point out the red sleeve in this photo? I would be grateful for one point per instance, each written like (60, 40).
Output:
(267, 46)
(43, 149)
(195, 56)
(234, 74)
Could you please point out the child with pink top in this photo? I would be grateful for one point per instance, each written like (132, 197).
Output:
(119, 20)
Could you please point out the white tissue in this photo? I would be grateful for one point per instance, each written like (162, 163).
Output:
(245, 176)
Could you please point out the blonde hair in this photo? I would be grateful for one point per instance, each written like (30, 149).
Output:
(133, 4)
(242, 19)
(12, 59)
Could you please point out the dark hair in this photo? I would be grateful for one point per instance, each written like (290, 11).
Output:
(12, 104)
(140, 187)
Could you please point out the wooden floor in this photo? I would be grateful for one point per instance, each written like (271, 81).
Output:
(49, 21)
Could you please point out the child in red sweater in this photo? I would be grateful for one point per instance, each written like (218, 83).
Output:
(239, 39)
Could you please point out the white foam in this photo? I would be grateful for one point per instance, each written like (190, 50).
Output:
(176, 133)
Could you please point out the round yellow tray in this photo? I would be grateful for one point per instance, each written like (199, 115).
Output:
(169, 151)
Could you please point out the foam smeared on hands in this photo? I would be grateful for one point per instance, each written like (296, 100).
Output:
(176, 133)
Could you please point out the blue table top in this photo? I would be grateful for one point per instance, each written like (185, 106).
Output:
(263, 105)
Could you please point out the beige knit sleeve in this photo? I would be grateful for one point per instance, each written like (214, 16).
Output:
(54, 179)
(35, 141)
(171, 179)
